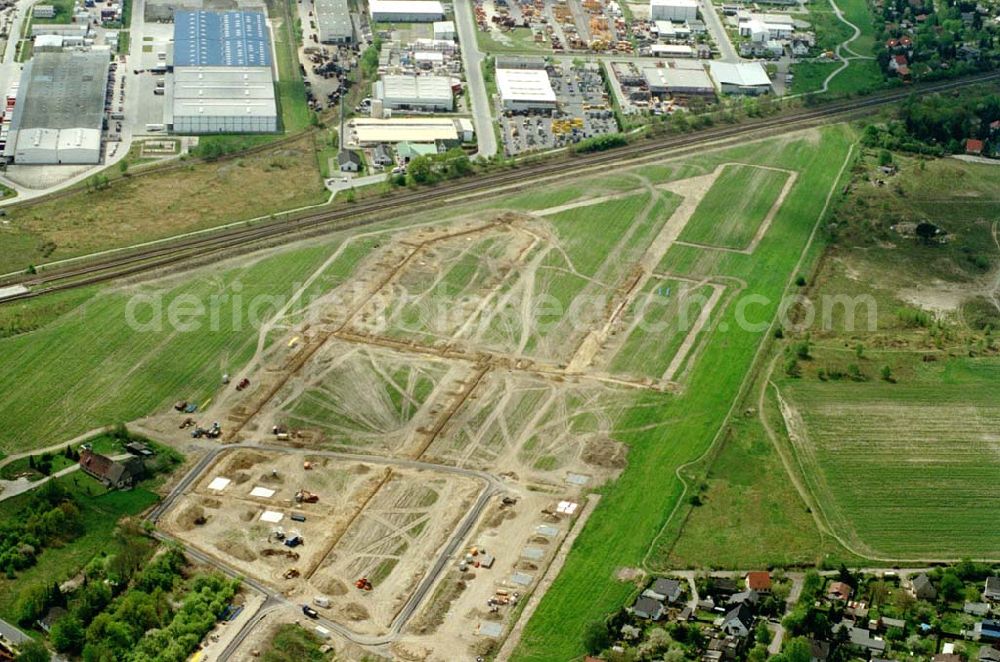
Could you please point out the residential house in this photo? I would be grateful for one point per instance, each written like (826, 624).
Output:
(819, 651)
(989, 654)
(977, 608)
(381, 156)
(113, 474)
(922, 589)
(839, 591)
(987, 630)
(897, 61)
(648, 608)
(738, 621)
(885, 622)
(862, 638)
(800, 48)
(664, 590)
(991, 593)
(760, 581)
(748, 597)
(348, 161)
(724, 585)
(975, 148)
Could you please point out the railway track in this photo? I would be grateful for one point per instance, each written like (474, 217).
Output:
(283, 229)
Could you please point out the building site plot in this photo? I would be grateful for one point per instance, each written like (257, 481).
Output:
(364, 397)
(655, 334)
(390, 544)
(535, 426)
(737, 209)
(901, 469)
(329, 523)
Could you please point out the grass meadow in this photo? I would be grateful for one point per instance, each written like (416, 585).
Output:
(902, 469)
(735, 206)
(635, 508)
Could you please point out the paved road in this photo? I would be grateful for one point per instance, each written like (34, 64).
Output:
(718, 31)
(275, 600)
(482, 118)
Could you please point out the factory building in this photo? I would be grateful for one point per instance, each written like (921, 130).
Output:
(222, 79)
(430, 93)
(444, 30)
(363, 132)
(525, 89)
(333, 22)
(59, 111)
(678, 11)
(677, 82)
(406, 11)
(747, 78)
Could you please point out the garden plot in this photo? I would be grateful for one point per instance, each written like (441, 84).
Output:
(364, 397)
(903, 469)
(535, 427)
(391, 542)
(737, 210)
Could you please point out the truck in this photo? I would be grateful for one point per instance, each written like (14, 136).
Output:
(322, 601)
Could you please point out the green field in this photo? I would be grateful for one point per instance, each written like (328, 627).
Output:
(735, 206)
(903, 469)
(94, 368)
(635, 508)
(658, 321)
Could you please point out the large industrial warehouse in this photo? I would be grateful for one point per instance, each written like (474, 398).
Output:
(333, 22)
(428, 93)
(406, 11)
(59, 112)
(525, 89)
(222, 80)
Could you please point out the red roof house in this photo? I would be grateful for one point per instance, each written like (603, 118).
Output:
(973, 146)
(759, 580)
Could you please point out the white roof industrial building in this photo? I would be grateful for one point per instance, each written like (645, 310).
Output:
(363, 132)
(59, 112)
(406, 11)
(222, 80)
(414, 92)
(525, 89)
(333, 22)
(743, 78)
(682, 82)
(673, 10)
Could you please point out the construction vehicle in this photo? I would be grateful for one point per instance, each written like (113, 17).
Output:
(291, 573)
(180, 405)
(309, 611)
(298, 517)
(304, 496)
(293, 540)
(191, 408)
(363, 584)
(307, 465)
(243, 384)
(321, 601)
(186, 423)
(278, 533)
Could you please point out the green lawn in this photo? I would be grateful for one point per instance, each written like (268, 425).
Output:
(636, 507)
(901, 469)
(734, 207)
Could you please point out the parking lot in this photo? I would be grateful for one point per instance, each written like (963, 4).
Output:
(584, 111)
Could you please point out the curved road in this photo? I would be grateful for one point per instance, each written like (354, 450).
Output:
(274, 599)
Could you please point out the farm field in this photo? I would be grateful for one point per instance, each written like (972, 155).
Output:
(929, 442)
(735, 207)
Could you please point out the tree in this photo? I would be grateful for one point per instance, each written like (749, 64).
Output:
(123, 166)
(926, 231)
(859, 350)
(951, 586)
(596, 637)
(792, 368)
(885, 157)
(419, 170)
(878, 592)
(67, 634)
(887, 373)
(34, 651)
(761, 633)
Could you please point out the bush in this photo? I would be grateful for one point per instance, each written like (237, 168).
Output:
(600, 143)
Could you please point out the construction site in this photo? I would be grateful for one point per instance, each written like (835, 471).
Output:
(407, 452)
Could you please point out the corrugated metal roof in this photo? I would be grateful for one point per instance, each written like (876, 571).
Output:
(221, 39)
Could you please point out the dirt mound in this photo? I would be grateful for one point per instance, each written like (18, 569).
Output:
(241, 478)
(330, 586)
(248, 515)
(245, 460)
(526, 565)
(410, 652)
(539, 540)
(236, 549)
(361, 469)
(354, 612)
(190, 517)
(208, 502)
(606, 453)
